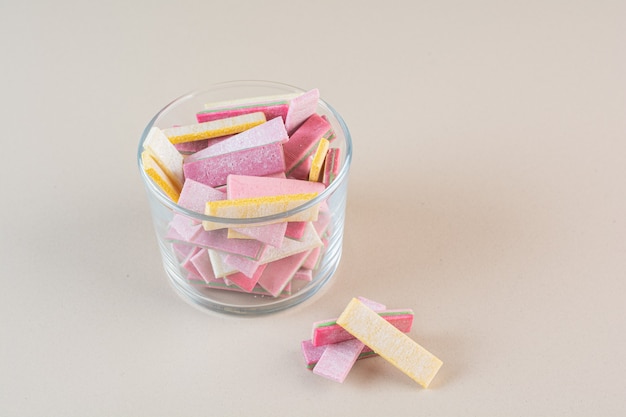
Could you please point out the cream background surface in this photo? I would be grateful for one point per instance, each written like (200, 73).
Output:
(487, 193)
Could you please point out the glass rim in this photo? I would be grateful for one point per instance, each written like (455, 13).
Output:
(156, 191)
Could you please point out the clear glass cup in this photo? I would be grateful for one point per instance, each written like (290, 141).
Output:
(182, 111)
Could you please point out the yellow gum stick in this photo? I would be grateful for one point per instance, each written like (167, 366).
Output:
(389, 342)
(214, 129)
(165, 155)
(249, 208)
(318, 160)
(155, 172)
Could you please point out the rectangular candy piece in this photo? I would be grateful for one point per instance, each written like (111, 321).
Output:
(270, 110)
(222, 284)
(330, 135)
(337, 359)
(251, 101)
(270, 234)
(280, 272)
(303, 274)
(224, 245)
(202, 263)
(249, 208)
(322, 223)
(261, 135)
(188, 265)
(166, 155)
(244, 265)
(318, 160)
(214, 129)
(186, 228)
(311, 261)
(260, 160)
(194, 195)
(303, 141)
(329, 331)
(312, 354)
(310, 240)
(247, 283)
(243, 186)
(301, 108)
(389, 342)
(154, 171)
(295, 230)
(374, 305)
(218, 240)
(331, 166)
(187, 148)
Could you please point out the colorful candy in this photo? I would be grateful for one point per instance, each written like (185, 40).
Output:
(301, 145)
(338, 358)
(330, 331)
(389, 342)
(214, 129)
(363, 330)
(318, 159)
(166, 155)
(160, 178)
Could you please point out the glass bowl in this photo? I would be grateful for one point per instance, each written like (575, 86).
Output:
(220, 296)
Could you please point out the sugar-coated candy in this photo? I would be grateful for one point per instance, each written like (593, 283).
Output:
(301, 108)
(165, 155)
(160, 178)
(259, 160)
(318, 159)
(214, 129)
(312, 354)
(301, 144)
(372, 336)
(331, 166)
(271, 107)
(249, 102)
(223, 262)
(248, 208)
(338, 358)
(278, 274)
(329, 331)
(267, 133)
(242, 186)
(389, 342)
(194, 195)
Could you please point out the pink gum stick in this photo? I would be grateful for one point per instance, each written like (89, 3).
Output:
(327, 332)
(301, 108)
(202, 262)
(218, 240)
(214, 171)
(280, 272)
(341, 356)
(337, 360)
(271, 112)
(312, 354)
(244, 186)
(194, 195)
(331, 166)
(266, 133)
(302, 143)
